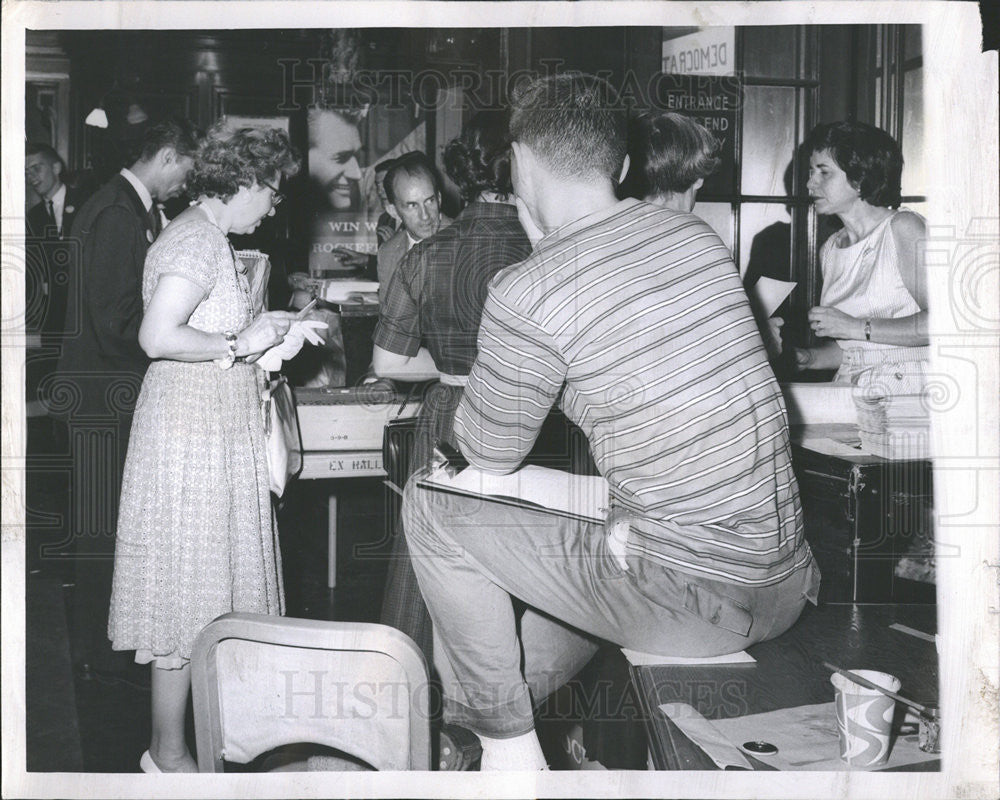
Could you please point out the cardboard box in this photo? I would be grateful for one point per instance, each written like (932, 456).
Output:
(349, 419)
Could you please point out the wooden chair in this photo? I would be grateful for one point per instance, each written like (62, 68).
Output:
(260, 682)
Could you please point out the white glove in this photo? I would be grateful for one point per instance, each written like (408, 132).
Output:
(300, 332)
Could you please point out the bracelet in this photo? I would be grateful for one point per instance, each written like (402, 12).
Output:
(230, 358)
(868, 330)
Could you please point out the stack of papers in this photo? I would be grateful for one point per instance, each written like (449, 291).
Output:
(640, 659)
(339, 291)
(895, 427)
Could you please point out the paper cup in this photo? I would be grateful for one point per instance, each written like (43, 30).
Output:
(864, 718)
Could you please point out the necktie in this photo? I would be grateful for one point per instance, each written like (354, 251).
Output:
(51, 214)
(155, 224)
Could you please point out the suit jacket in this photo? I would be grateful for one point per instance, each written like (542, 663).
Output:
(47, 291)
(38, 224)
(101, 356)
(391, 254)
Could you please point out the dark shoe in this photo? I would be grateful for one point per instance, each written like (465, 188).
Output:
(458, 749)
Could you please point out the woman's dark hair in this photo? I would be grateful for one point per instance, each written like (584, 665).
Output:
(668, 152)
(230, 159)
(478, 159)
(869, 156)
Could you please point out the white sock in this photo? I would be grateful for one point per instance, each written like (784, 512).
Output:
(516, 753)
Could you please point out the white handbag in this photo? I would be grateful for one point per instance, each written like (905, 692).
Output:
(283, 440)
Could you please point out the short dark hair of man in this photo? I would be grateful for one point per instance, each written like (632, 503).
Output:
(574, 122)
(228, 160)
(478, 159)
(869, 156)
(668, 152)
(413, 164)
(180, 134)
(45, 151)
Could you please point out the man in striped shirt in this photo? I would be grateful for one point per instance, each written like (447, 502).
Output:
(636, 314)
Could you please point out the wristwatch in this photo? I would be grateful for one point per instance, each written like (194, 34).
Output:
(868, 330)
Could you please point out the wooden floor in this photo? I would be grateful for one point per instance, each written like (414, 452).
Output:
(789, 672)
(93, 726)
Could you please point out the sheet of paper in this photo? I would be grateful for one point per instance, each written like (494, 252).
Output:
(580, 495)
(767, 294)
(704, 734)
(637, 659)
(818, 403)
(806, 738)
(830, 447)
(338, 291)
(927, 637)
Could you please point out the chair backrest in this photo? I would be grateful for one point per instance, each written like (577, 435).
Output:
(259, 682)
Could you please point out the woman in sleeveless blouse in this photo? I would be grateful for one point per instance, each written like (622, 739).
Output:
(196, 533)
(872, 317)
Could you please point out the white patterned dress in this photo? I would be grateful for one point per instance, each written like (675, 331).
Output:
(196, 531)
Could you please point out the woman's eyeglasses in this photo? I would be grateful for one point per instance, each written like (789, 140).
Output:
(277, 197)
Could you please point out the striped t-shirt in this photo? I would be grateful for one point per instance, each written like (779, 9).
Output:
(638, 314)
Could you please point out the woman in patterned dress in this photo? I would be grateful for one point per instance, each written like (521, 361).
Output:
(196, 533)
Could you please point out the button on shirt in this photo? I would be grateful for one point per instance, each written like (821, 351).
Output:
(58, 201)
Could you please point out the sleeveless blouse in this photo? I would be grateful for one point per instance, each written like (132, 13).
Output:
(863, 280)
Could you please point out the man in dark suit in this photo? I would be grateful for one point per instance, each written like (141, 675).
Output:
(49, 282)
(102, 366)
(413, 189)
(44, 171)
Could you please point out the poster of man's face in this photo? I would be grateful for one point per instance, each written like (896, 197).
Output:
(344, 144)
(334, 149)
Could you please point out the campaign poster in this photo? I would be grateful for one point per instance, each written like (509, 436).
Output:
(344, 202)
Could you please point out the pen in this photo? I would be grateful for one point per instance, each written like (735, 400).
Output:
(406, 399)
(306, 308)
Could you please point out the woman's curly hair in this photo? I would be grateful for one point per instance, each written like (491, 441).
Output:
(869, 156)
(229, 159)
(478, 159)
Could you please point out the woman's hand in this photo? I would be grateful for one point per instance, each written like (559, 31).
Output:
(264, 332)
(827, 355)
(829, 323)
(772, 337)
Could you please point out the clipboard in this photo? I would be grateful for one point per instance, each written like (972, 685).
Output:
(584, 498)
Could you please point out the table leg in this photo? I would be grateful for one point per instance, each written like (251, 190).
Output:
(331, 563)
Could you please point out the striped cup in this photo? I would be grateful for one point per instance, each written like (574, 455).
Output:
(864, 718)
